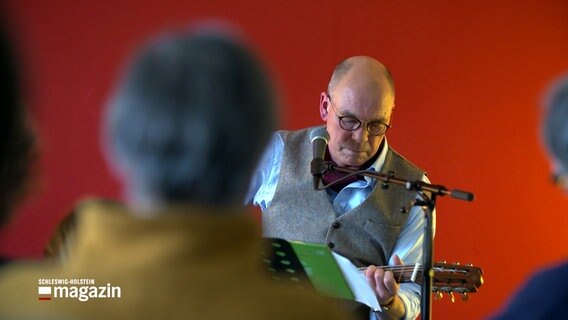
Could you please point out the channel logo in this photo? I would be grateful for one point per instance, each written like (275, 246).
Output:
(44, 293)
(79, 289)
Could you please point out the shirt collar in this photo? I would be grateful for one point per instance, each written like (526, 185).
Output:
(377, 166)
(379, 163)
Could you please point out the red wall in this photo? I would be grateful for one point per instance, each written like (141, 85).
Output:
(469, 81)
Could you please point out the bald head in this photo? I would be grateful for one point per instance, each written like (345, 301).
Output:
(360, 66)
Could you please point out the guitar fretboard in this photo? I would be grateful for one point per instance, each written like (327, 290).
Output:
(404, 273)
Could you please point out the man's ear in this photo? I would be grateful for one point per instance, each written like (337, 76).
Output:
(324, 106)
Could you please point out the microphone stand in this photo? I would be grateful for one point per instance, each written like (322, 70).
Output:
(428, 202)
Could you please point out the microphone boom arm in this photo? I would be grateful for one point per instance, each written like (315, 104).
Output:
(390, 178)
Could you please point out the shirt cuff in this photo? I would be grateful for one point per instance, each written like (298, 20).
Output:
(410, 299)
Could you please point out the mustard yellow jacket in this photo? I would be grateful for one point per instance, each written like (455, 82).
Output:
(191, 262)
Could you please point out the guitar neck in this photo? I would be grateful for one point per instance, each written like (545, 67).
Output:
(446, 277)
(405, 273)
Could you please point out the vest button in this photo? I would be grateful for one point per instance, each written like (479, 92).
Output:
(336, 225)
(331, 245)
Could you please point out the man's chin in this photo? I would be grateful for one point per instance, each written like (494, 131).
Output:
(355, 163)
(353, 159)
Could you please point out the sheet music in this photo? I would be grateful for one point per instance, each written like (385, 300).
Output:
(358, 283)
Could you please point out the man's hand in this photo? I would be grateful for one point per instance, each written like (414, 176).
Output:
(386, 288)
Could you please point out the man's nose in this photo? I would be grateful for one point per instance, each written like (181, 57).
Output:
(361, 134)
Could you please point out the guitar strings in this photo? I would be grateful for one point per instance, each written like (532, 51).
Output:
(410, 268)
(402, 271)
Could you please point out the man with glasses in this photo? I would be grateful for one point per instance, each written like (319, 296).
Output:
(354, 217)
(545, 294)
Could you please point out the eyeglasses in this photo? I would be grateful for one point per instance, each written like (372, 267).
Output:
(375, 128)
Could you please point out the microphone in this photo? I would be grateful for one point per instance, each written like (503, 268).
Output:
(319, 138)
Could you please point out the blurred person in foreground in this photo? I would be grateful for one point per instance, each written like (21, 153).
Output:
(545, 294)
(17, 140)
(184, 132)
(355, 217)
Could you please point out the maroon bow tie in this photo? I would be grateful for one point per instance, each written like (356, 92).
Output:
(332, 176)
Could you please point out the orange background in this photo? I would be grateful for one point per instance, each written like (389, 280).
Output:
(469, 80)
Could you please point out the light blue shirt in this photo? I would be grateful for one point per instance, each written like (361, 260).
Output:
(409, 243)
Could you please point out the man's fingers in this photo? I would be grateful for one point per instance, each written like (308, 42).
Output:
(390, 283)
(383, 283)
(370, 272)
(379, 280)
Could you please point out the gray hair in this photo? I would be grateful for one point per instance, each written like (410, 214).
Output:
(339, 72)
(555, 129)
(191, 119)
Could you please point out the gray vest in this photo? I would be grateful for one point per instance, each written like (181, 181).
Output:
(365, 235)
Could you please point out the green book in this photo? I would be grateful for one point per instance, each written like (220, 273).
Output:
(322, 269)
